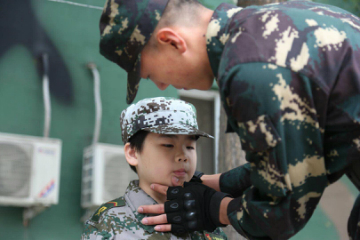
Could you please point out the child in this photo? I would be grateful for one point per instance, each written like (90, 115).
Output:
(160, 146)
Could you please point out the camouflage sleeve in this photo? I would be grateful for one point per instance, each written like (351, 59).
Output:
(236, 181)
(272, 110)
(220, 232)
(98, 231)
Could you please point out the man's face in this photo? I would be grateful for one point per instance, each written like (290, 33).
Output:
(166, 67)
(166, 156)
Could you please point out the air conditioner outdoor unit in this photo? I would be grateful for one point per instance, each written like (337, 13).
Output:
(29, 170)
(105, 174)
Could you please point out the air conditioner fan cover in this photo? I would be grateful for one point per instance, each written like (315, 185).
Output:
(117, 175)
(15, 169)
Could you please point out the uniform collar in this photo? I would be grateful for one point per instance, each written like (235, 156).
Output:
(136, 197)
(217, 33)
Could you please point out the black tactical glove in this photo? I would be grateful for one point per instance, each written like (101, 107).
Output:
(193, 208)
(197, 177)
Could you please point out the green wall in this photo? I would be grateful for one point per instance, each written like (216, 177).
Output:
(73, 30)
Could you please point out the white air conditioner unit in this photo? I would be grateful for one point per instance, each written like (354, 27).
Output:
(29, 170)
(105, 174)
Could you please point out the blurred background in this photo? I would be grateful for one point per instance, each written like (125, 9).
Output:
(53, 41)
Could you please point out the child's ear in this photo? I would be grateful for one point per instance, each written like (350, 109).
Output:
(130, 155)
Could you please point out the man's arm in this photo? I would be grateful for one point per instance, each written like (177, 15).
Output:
(212, 181)
(272, 110)
(235, 181)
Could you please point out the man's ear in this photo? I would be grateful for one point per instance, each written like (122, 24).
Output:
(131, 155)
(169, 37)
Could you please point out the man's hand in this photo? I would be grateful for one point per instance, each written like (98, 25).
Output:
(156, 209)
(194, 207)
(212, 181)
(197, 177)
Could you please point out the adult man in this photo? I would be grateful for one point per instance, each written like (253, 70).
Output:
(289, 78)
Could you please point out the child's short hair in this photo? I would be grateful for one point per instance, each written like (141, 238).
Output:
(137, 142)
(158, 115)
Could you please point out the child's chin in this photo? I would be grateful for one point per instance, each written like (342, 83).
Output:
(179, 183)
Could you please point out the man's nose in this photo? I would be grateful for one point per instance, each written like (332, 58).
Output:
(161, 86)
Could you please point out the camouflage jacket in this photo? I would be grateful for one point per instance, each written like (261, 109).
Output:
(119, 219)
(289, 79)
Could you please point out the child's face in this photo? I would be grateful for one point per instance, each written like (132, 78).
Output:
(164, 157)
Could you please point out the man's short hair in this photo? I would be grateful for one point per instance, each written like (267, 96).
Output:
(180, 12)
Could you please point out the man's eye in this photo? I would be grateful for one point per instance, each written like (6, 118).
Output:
(190, 147)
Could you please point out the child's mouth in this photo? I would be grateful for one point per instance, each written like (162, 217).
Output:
(180, 173)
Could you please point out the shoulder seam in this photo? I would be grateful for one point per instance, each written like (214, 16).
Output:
(99, 213)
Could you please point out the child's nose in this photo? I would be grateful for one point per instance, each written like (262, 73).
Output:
(180, 159)
(181, 155)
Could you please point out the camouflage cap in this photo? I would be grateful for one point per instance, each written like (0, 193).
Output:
(160, 115)
(125, 28)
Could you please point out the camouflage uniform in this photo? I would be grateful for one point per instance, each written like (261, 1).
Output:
(119, 219)
(289, 78)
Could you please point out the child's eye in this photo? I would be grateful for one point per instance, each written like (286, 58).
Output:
(168, 145)
(190, 148)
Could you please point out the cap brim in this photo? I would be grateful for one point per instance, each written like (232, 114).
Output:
(176, 129)
(133, 81)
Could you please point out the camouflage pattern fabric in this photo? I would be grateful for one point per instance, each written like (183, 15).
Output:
(289, 78)
(124, 222)
(160, 115)
(354, 221)
(125, 27)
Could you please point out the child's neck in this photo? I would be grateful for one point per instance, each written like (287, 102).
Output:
(158, 197)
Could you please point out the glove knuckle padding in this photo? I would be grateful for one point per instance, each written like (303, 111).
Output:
(189, 208)
(174, 192)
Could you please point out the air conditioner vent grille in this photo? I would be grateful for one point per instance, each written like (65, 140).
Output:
(87, 174)
(116, 176)
(15, 169)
